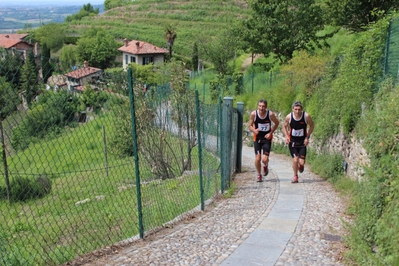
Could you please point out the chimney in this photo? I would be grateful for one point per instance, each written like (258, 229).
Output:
(36, 49)
(7, 36)
(138, 45)
(126, 42)
(85, 64)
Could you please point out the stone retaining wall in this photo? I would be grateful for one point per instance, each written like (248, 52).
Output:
(355, 157)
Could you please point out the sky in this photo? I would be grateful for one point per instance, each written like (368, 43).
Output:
(49, 2)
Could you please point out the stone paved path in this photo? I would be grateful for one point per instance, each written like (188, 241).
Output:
(224, 232)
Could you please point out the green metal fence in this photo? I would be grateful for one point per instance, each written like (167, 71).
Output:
(391, 64)
(91, 159)
(231, 85)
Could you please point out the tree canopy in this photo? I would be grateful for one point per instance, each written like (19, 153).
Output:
(219, 51)
(53, 34)
(9, 98)
(280, 27)
(355, 14)
(98, 47)
(85, 11)
(170, 37)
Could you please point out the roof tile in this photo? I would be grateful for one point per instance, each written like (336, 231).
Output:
(83, 72)
(140, 47)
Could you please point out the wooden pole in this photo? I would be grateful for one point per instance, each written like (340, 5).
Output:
(105, 151)
(5, 162)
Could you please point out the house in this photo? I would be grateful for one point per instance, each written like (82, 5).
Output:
(141, 53)
(18, 43)
(76, 80)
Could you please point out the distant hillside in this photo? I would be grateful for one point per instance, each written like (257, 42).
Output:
(19, 17)
(145, 20)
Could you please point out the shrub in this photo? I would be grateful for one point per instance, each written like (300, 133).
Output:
(328, 166)
(24, 189)
(52, 111)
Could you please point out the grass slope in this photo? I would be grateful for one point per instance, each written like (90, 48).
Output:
(146, 20)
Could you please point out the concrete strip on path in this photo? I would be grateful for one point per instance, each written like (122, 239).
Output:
(267, 242)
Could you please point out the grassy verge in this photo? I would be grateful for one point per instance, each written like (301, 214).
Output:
(93, 202)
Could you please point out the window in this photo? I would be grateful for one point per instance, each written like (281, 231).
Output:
(132, 59)
(126, 59)
(148, 60)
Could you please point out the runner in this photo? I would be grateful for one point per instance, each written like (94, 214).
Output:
(297, 128)
(262, 123)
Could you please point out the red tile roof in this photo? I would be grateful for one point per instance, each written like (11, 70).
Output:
(13, 36)
(139, 47)
(83, 72)
(10, 40)
(8, 43)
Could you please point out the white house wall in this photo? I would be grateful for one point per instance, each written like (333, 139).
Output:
(158, 58)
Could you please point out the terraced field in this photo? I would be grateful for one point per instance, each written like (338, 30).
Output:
(146, 20)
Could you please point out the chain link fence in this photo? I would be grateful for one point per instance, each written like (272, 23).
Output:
(91, 159)
(236, 84)
(391, 64)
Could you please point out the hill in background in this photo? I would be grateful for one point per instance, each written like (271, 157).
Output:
(146, 21)
(16, 18)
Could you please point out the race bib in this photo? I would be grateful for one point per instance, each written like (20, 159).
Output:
(298, 133)
(264, 127)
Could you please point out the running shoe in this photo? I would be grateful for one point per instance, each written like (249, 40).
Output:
(295, 179)
(259, 179)
(265, 170)
(301, 168)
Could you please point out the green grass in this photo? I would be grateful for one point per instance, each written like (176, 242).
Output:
(148, 20)
(54, 229)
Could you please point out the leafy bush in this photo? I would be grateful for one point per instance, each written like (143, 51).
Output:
(374, 235)
(52, 111)
(328, 166)
(367, 207)
(355, 81)
(94, 99)
(23, 189)
(8, 99)
(121, 141)
(260, 67)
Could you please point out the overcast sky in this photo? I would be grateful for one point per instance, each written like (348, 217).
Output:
(49, 2)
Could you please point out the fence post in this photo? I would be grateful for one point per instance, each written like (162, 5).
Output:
(252, 82)
(197, 104)
(105, 151)
(271, 79)
(203, 93)
(225, 147)
(136, 155)
(8, 188)
(240, 109)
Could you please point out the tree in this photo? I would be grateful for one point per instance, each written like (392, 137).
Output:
(195, 58)
(355, 14)
(98, 47)
(170, 36)
(86, 11)
(47, 68)
(280, 27)
(53, 34)
(9, 99)
(68, 56)
(50, 113)
(10, 66)
(219, 50)
(29, 78)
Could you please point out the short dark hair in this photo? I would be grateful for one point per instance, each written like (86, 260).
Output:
(262, 101)
(297, 103)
